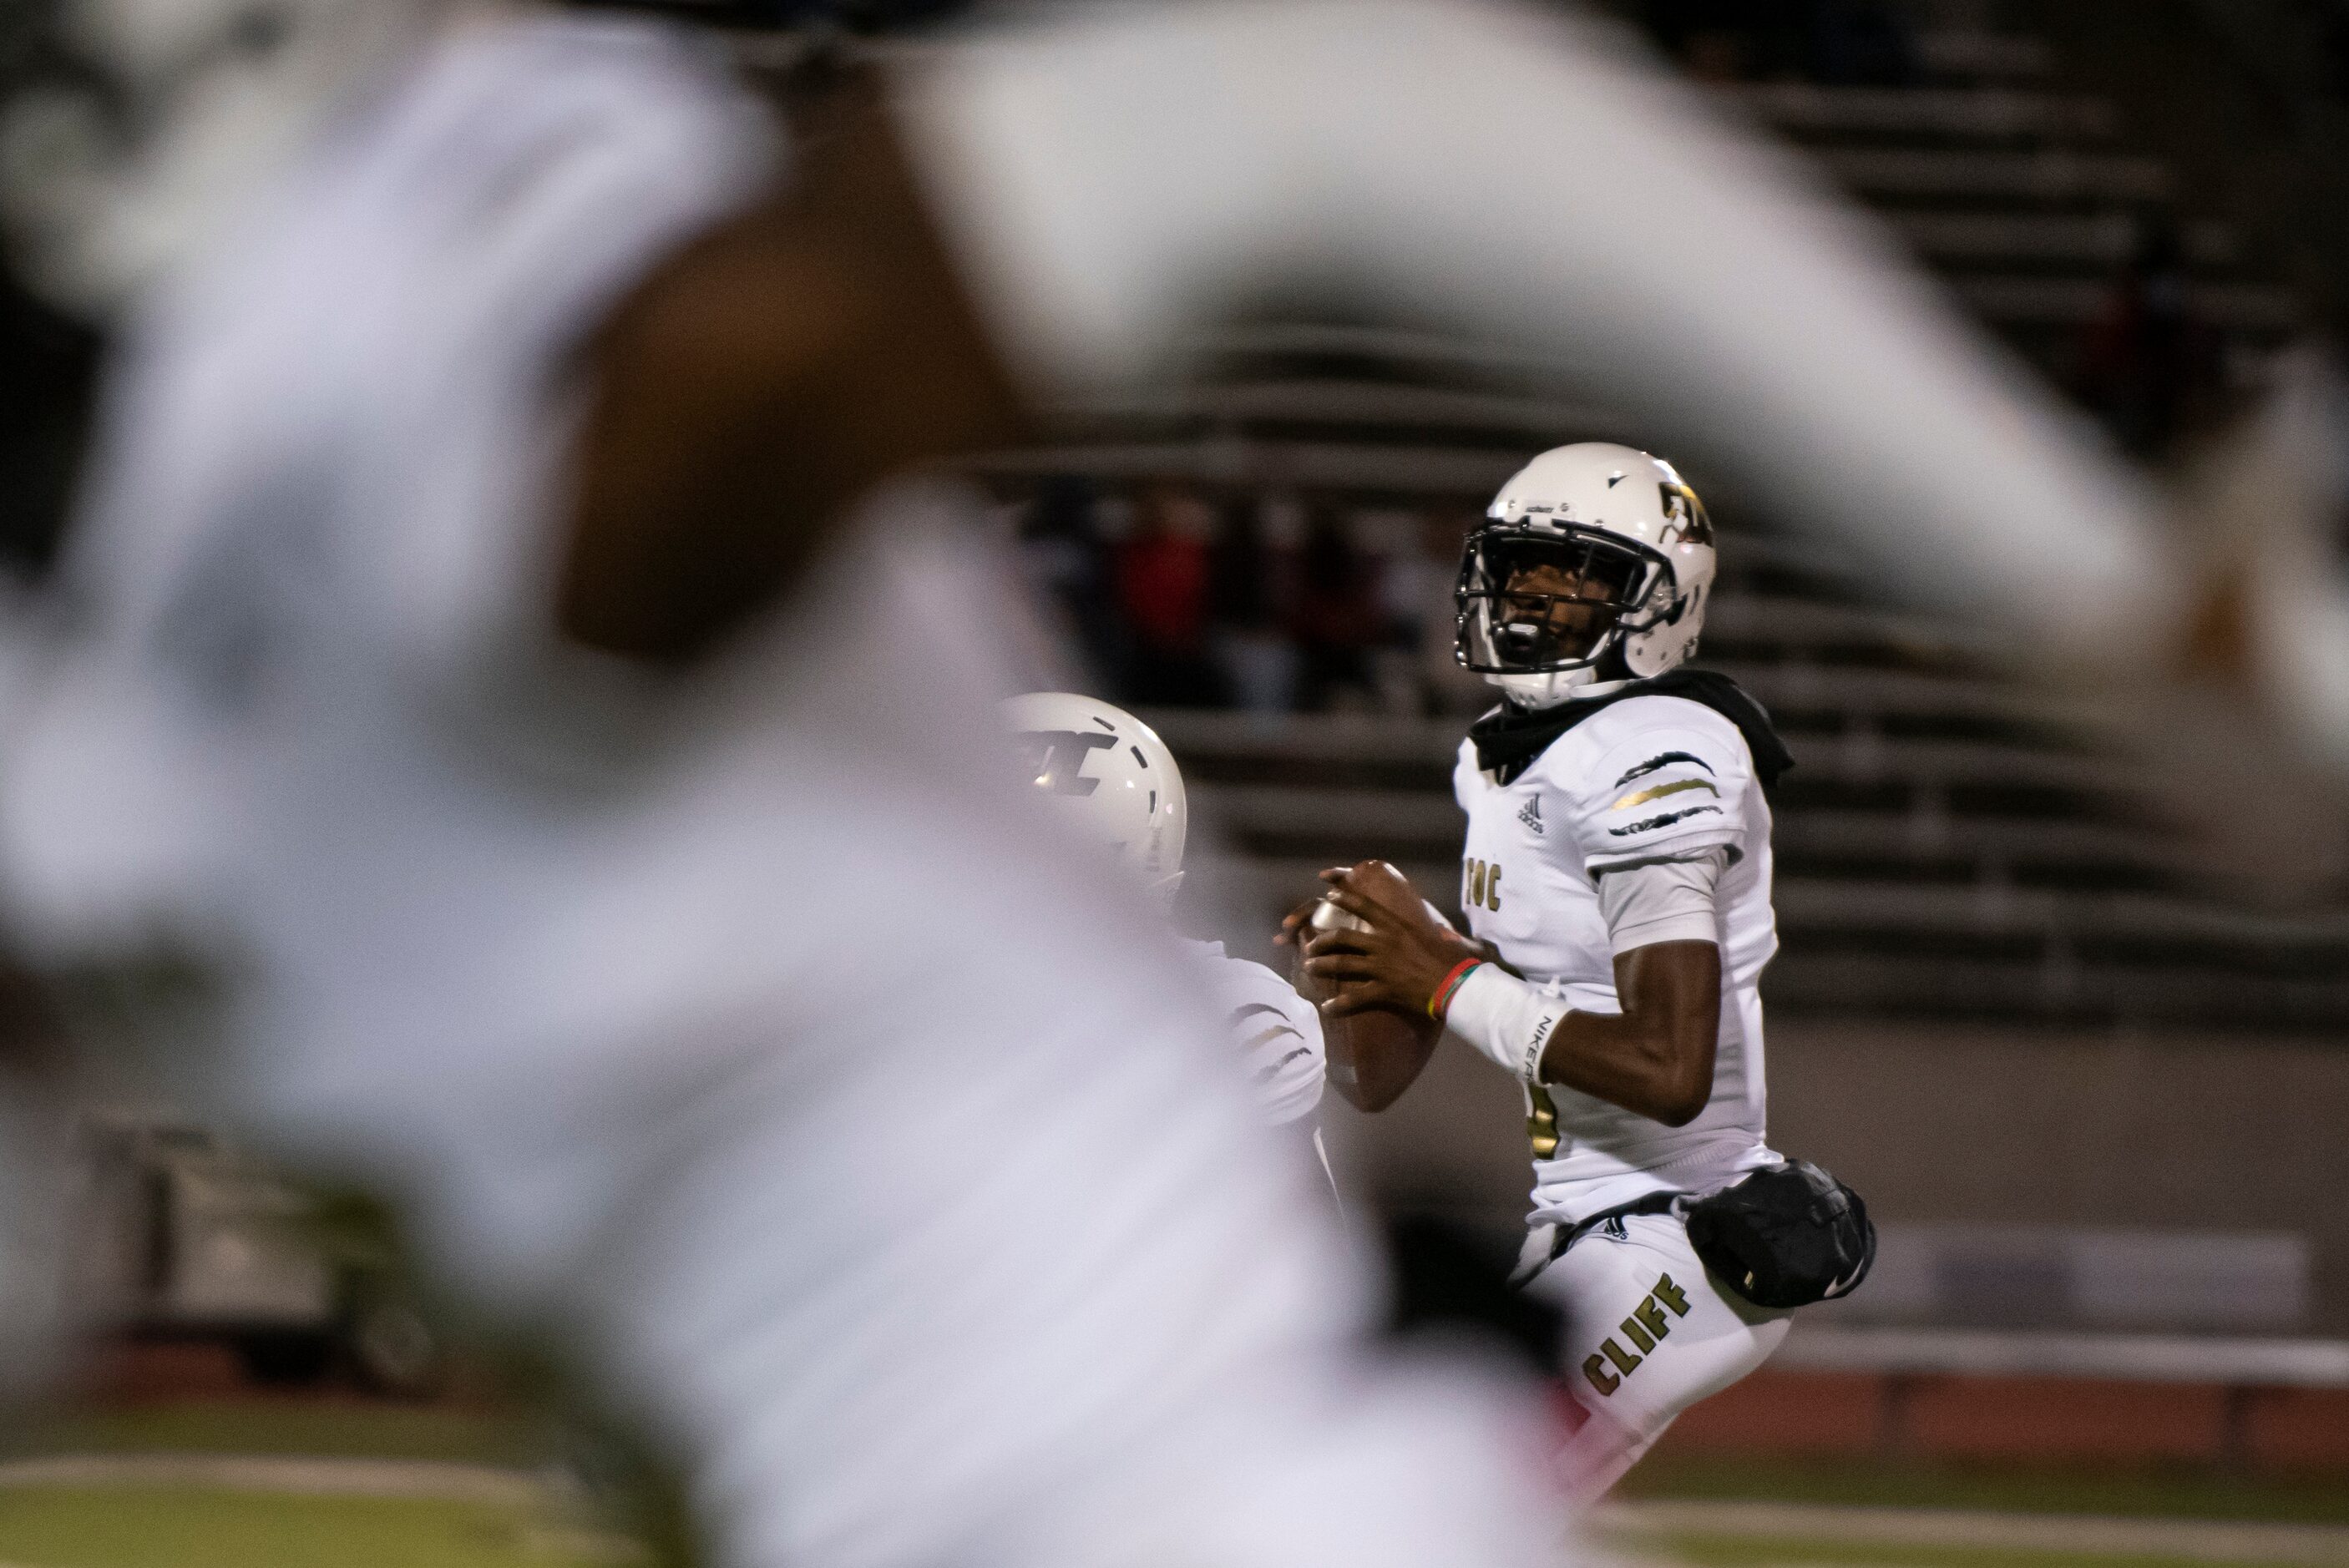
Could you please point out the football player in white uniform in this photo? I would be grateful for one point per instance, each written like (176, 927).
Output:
(1112, 777)
(1616, 879)
(492, 381)
(489, 666)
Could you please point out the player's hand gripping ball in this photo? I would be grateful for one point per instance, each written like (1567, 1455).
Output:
(1363, 1018)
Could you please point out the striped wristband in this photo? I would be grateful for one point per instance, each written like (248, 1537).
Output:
(1441, 1002)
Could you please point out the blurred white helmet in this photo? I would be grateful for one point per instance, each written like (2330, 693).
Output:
(1110, 776)
(1593, 568)
(142, 125)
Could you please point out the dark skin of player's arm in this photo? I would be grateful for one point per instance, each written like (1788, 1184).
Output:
(762, 379)
(1654, 1060)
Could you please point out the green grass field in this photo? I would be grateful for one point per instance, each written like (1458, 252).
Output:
(340, 1430)
(127, 1525)
(1676, 1513)
(1709, 1552)
(2178, 1493)
(1725, 1513)
(133, 1527)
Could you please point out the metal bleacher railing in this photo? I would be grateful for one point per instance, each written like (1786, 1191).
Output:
(2224, 1309)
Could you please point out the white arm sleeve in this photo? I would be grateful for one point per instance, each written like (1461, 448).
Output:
(1662, 900)
(1505, 1019)
(1118, 178)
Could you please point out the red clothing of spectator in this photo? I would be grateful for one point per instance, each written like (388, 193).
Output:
(1162, 590)
(1337, 604)
(2151, 366)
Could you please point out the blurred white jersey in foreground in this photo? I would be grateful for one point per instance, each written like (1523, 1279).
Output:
(739, 1030)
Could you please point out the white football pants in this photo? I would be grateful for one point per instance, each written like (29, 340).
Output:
(1646, 1335)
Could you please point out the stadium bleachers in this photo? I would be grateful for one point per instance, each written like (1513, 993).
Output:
(2023, 194)
(1954, 842)
(1950, 843)
(1956, 856)
(1949, 874)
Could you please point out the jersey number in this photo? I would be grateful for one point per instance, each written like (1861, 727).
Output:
(1541, 1121)
(1481, 885)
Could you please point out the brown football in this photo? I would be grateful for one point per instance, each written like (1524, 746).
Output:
(1379, 1035)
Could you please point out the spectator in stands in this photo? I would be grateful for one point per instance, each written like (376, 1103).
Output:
(1248, 599)
(1448, 688)
(1162, 596)
(1066, 562)
(1844, 42)
(2149, 365)
(1338, 617)
(1711, 39)
(1405, 580)
(1858, 43)
(44, 397)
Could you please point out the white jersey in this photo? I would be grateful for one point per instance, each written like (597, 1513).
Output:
(712, 1019)
(1645, 779)
(1278, 1032)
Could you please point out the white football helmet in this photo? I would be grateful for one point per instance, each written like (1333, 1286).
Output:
(140, 126)
(1110, 776)
(1592, 569)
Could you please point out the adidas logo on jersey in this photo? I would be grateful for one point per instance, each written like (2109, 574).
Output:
(1530, 814)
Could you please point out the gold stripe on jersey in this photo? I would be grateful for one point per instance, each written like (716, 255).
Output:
(1272, 1034)
(1658, 792)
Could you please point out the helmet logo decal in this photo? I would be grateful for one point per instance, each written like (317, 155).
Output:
(1056, 759)
(1684, 519)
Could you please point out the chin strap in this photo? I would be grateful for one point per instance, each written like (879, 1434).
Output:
(1554, 696)
(1607, 673)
